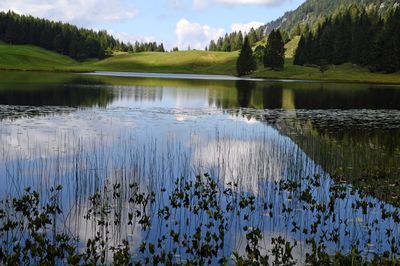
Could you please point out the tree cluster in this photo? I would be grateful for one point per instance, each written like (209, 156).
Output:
(272, 55)
(234, 41)
(60, 37)
(66, 39)
(312, 12)
(139, 47)
(355, 35)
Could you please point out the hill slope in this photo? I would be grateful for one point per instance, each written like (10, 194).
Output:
(311, 10)
(24, 57)
(175, 62)
(27, 57)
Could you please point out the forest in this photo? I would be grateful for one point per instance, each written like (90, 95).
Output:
(66, 39)
(357, 35)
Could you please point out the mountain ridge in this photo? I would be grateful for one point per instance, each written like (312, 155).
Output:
(311, 11)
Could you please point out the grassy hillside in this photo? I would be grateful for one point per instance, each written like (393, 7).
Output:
(345, 72)
(27, 57)
(291, 47)
(196, 62)
(174, 62)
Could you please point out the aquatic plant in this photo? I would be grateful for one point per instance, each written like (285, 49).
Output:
(196, 220)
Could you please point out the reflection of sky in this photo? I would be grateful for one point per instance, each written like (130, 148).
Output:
(151, 136)
(168, 97)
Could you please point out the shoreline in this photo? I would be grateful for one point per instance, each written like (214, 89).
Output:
(203, 76)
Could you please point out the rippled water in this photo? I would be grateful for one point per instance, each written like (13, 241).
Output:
(86, 132)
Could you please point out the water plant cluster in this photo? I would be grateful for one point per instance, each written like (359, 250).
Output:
(197, 221)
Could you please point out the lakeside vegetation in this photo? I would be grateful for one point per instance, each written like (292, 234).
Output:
(195, 218)
(340, 48)
(355, 35)
(110, 211)
(64, 38)
(31, 58)
(190, 62)
(28, 57)
(115, 170)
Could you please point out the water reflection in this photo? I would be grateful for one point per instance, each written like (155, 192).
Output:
(253, 155)
(58, 95)
(87, 91)
(87, 132)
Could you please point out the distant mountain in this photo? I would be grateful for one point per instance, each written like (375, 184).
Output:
(313, 10)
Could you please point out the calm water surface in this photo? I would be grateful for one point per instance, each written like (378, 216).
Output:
(87, 131)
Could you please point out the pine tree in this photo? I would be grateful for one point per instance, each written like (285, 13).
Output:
(11, 33)
(392, 42)
(300, 57)
(237, 41)
(274, 56)
(325, 45)
(310, 50)
(386, 47)
(252, 35)
(343, 42)
(246, 63)
(212, 46)
(226, 45)
(161, 48)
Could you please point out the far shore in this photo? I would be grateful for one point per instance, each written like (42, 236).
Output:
(257, 77)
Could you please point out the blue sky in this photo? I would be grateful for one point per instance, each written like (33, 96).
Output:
(175, 22)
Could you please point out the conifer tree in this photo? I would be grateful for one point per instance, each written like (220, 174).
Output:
(246, 63)
(342, 43)
(226, 45)
(274, 56)
(392, 42)
(237, 41)
(252, 35)
(325, 45)
(300, 57)
(354, 35)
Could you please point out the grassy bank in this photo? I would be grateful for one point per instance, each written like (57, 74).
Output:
(25, 57)
(342, 73)
(175, 62)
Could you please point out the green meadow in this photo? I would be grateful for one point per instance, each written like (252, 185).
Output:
(31, 58)
(28, 57)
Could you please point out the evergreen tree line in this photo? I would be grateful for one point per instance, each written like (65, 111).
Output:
(60, 37)
(272, 55)
(139, 47)
(66, 39)
(354, 35)
(234, 41)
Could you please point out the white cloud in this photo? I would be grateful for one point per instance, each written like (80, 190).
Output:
(246, 27)
(252, 2)
(81, 12)
(176, 4)
(127, 37)
(195, 35)
(200, 4)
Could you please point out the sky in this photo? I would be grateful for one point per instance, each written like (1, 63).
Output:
(180, 23)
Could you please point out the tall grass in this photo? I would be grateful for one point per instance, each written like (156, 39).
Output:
(275, 187)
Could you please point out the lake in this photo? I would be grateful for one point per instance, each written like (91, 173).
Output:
(102, 134)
